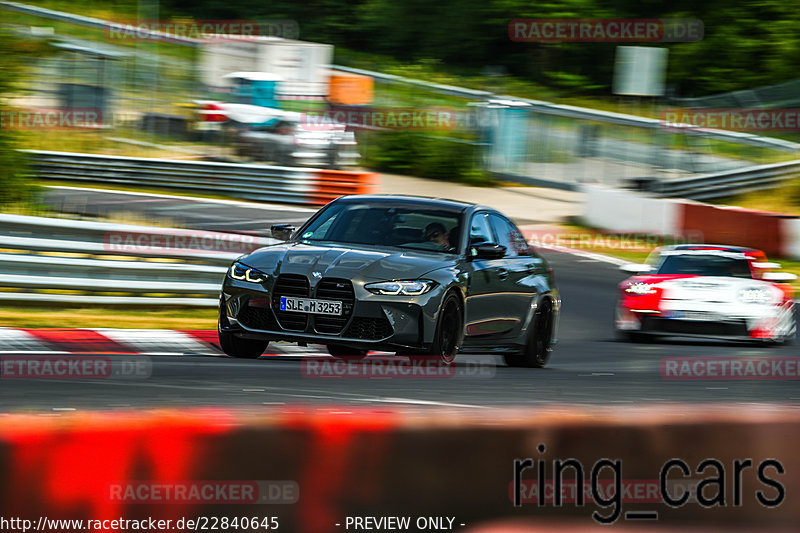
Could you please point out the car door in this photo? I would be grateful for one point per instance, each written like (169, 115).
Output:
(485, 318)
(519, 272)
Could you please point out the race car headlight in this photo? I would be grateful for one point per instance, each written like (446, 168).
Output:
(404, 288)
(242, 272)
(640, 289)
(755, 295)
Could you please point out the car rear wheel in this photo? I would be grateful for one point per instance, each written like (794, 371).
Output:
(449, 333)
(345, 352)
(540, 340)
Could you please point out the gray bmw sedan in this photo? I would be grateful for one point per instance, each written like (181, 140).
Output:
(422, 277)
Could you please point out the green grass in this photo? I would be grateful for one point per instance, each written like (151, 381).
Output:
(783, 199)
(99, 316)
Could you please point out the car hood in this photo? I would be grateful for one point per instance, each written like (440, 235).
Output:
(345, 262)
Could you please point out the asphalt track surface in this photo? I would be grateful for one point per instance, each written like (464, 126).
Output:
(589, 367)
(175, 211)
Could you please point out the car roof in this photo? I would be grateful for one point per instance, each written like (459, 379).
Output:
(700, 248)
(411, 199)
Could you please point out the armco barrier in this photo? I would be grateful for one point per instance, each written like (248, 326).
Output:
(351, 462)
(246, 181)
(619, 211)
(77, 261)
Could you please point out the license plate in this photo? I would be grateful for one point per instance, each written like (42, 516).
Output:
(308, 305)
(703, 316)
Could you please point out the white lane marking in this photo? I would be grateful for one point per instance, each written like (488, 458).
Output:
(263, 206)
(420, 402)
(583, 253)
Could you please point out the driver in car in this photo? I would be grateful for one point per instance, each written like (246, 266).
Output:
(436, 233)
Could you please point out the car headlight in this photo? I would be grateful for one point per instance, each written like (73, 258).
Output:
(640, 288)
(755, 295)
(242, 272)
(405, 288)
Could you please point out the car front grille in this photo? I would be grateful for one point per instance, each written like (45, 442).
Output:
(337, 290)
(369, 329)
(290, 285)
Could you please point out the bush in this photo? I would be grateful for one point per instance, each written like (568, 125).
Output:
(416, 154)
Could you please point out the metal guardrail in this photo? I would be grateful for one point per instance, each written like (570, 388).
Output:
(73, 261)
(728, 183)
(246, 181)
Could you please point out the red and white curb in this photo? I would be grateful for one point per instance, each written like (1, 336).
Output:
(121, 341)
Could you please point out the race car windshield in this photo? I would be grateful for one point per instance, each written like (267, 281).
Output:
(705, 265)
(411, 227)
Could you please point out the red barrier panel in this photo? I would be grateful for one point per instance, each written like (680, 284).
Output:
(348, 462)
(331, 184)
(734, 226)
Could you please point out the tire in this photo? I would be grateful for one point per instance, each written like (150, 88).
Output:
(235, 346)
(540, 340)
(449, 333)
(345, 352)
(241, 348)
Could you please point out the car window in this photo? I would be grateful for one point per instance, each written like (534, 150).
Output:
(413, 227)
(509, 236)
(705, 265)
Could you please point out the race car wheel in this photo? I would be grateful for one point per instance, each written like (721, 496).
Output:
(345, 352)
(235, 346)
(449, 333)
(540, 340)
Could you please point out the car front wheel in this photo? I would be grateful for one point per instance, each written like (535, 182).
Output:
(449, 333)
(235, 346)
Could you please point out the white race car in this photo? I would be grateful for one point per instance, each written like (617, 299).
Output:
(709, 291)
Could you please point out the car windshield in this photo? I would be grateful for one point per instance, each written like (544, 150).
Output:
(410, 226)
(705, 265)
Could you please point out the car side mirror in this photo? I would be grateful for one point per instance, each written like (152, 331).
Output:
(282, 232)
(487, 250)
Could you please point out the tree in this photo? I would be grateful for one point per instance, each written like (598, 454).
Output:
(16, 55)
